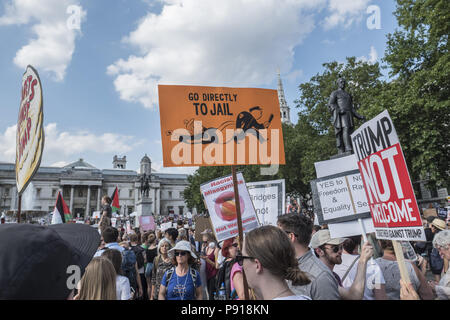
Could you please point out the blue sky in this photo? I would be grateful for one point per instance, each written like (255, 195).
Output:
(100, 81)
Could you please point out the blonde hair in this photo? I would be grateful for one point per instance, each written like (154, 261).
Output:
(98, 281)
(271, 246)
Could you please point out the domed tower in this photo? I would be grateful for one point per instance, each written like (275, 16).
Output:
(146, 165)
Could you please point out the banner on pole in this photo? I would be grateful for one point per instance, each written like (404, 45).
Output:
(221, 204)
(388, 187)
(216, 126)
(268, 199)
(30, 129)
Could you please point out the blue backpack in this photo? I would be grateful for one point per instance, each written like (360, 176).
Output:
(129, 267)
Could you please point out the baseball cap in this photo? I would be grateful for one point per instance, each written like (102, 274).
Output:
(35, 260)
(322, 237)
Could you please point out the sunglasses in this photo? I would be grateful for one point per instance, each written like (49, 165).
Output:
(288, 232)
(240, 259)
(336, 249)
(235, 245)
(180, 253)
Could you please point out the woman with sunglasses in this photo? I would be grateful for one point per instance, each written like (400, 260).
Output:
(268, 260)
(181, 282)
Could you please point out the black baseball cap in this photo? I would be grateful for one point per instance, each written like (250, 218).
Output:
(35, 260)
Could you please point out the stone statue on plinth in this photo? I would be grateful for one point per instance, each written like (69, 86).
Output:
(145, 185)
(343, 111)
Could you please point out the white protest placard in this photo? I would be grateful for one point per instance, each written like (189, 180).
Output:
(220, 201)
(113, 222)
(268, 199)
(340, 197)
(388, 187)
(336, 167)
(165, 226)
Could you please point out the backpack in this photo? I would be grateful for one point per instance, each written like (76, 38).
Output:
(436, 262)
(139, 252)
(172, 270)
(128, 267)
(223, 276)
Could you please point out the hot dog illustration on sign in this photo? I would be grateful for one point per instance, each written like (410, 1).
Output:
(225, 206)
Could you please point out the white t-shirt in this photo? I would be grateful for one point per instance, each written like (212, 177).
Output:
(374, 276)
(123, 290)
(293, 298)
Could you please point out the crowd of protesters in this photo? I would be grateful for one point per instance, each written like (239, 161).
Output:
(295, 260)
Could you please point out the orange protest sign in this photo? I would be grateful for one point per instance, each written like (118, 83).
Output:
(214, 126)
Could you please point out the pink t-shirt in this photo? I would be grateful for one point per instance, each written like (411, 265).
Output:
(236, 268)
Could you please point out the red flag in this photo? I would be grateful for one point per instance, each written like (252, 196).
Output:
(115, 206)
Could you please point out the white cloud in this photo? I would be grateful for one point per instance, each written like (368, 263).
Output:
(203, 42)
(373, 56)
(61, 145)
(52, 48)
(345, 12)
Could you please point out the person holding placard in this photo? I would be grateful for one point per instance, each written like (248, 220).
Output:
(348, 269)
(329, 252)
(391, 273)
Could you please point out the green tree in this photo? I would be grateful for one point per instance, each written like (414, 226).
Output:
(417, 98)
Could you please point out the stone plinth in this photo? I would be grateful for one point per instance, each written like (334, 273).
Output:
(143, 208)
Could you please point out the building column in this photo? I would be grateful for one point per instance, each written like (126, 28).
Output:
(71, 199)
(99, 193)
(154, 200)
(158, 202)
(13, 197)
(87, 202)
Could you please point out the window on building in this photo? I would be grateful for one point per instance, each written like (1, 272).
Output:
(6, 192)
(80, 193)
(131, 193)
(53, 193)
(181, 208)
(66, 193)
(170, 194)
(38, 192)
(130, 210)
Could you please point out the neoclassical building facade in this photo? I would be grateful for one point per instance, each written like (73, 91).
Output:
(83, 186)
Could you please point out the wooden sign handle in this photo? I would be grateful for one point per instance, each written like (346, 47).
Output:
(239, 220)
(401, 261)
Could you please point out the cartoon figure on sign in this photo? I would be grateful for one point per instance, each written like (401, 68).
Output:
(246, 120)
(225, 206)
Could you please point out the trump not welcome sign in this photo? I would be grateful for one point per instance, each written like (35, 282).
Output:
(387, 184)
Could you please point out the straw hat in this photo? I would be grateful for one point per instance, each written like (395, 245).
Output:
(438, 223)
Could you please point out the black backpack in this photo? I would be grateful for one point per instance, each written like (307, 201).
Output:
(223, 276)
(139, 252)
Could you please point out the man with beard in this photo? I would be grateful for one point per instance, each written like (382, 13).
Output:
(329, 251)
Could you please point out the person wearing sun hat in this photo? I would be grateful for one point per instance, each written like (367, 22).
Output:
(181, 282)
(329, 251)
(43, 263)
(436, 261)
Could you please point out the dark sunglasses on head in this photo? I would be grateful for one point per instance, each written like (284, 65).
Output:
(240, 259)
(180, 253)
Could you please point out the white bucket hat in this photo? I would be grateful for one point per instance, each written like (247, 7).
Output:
(182, 246)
